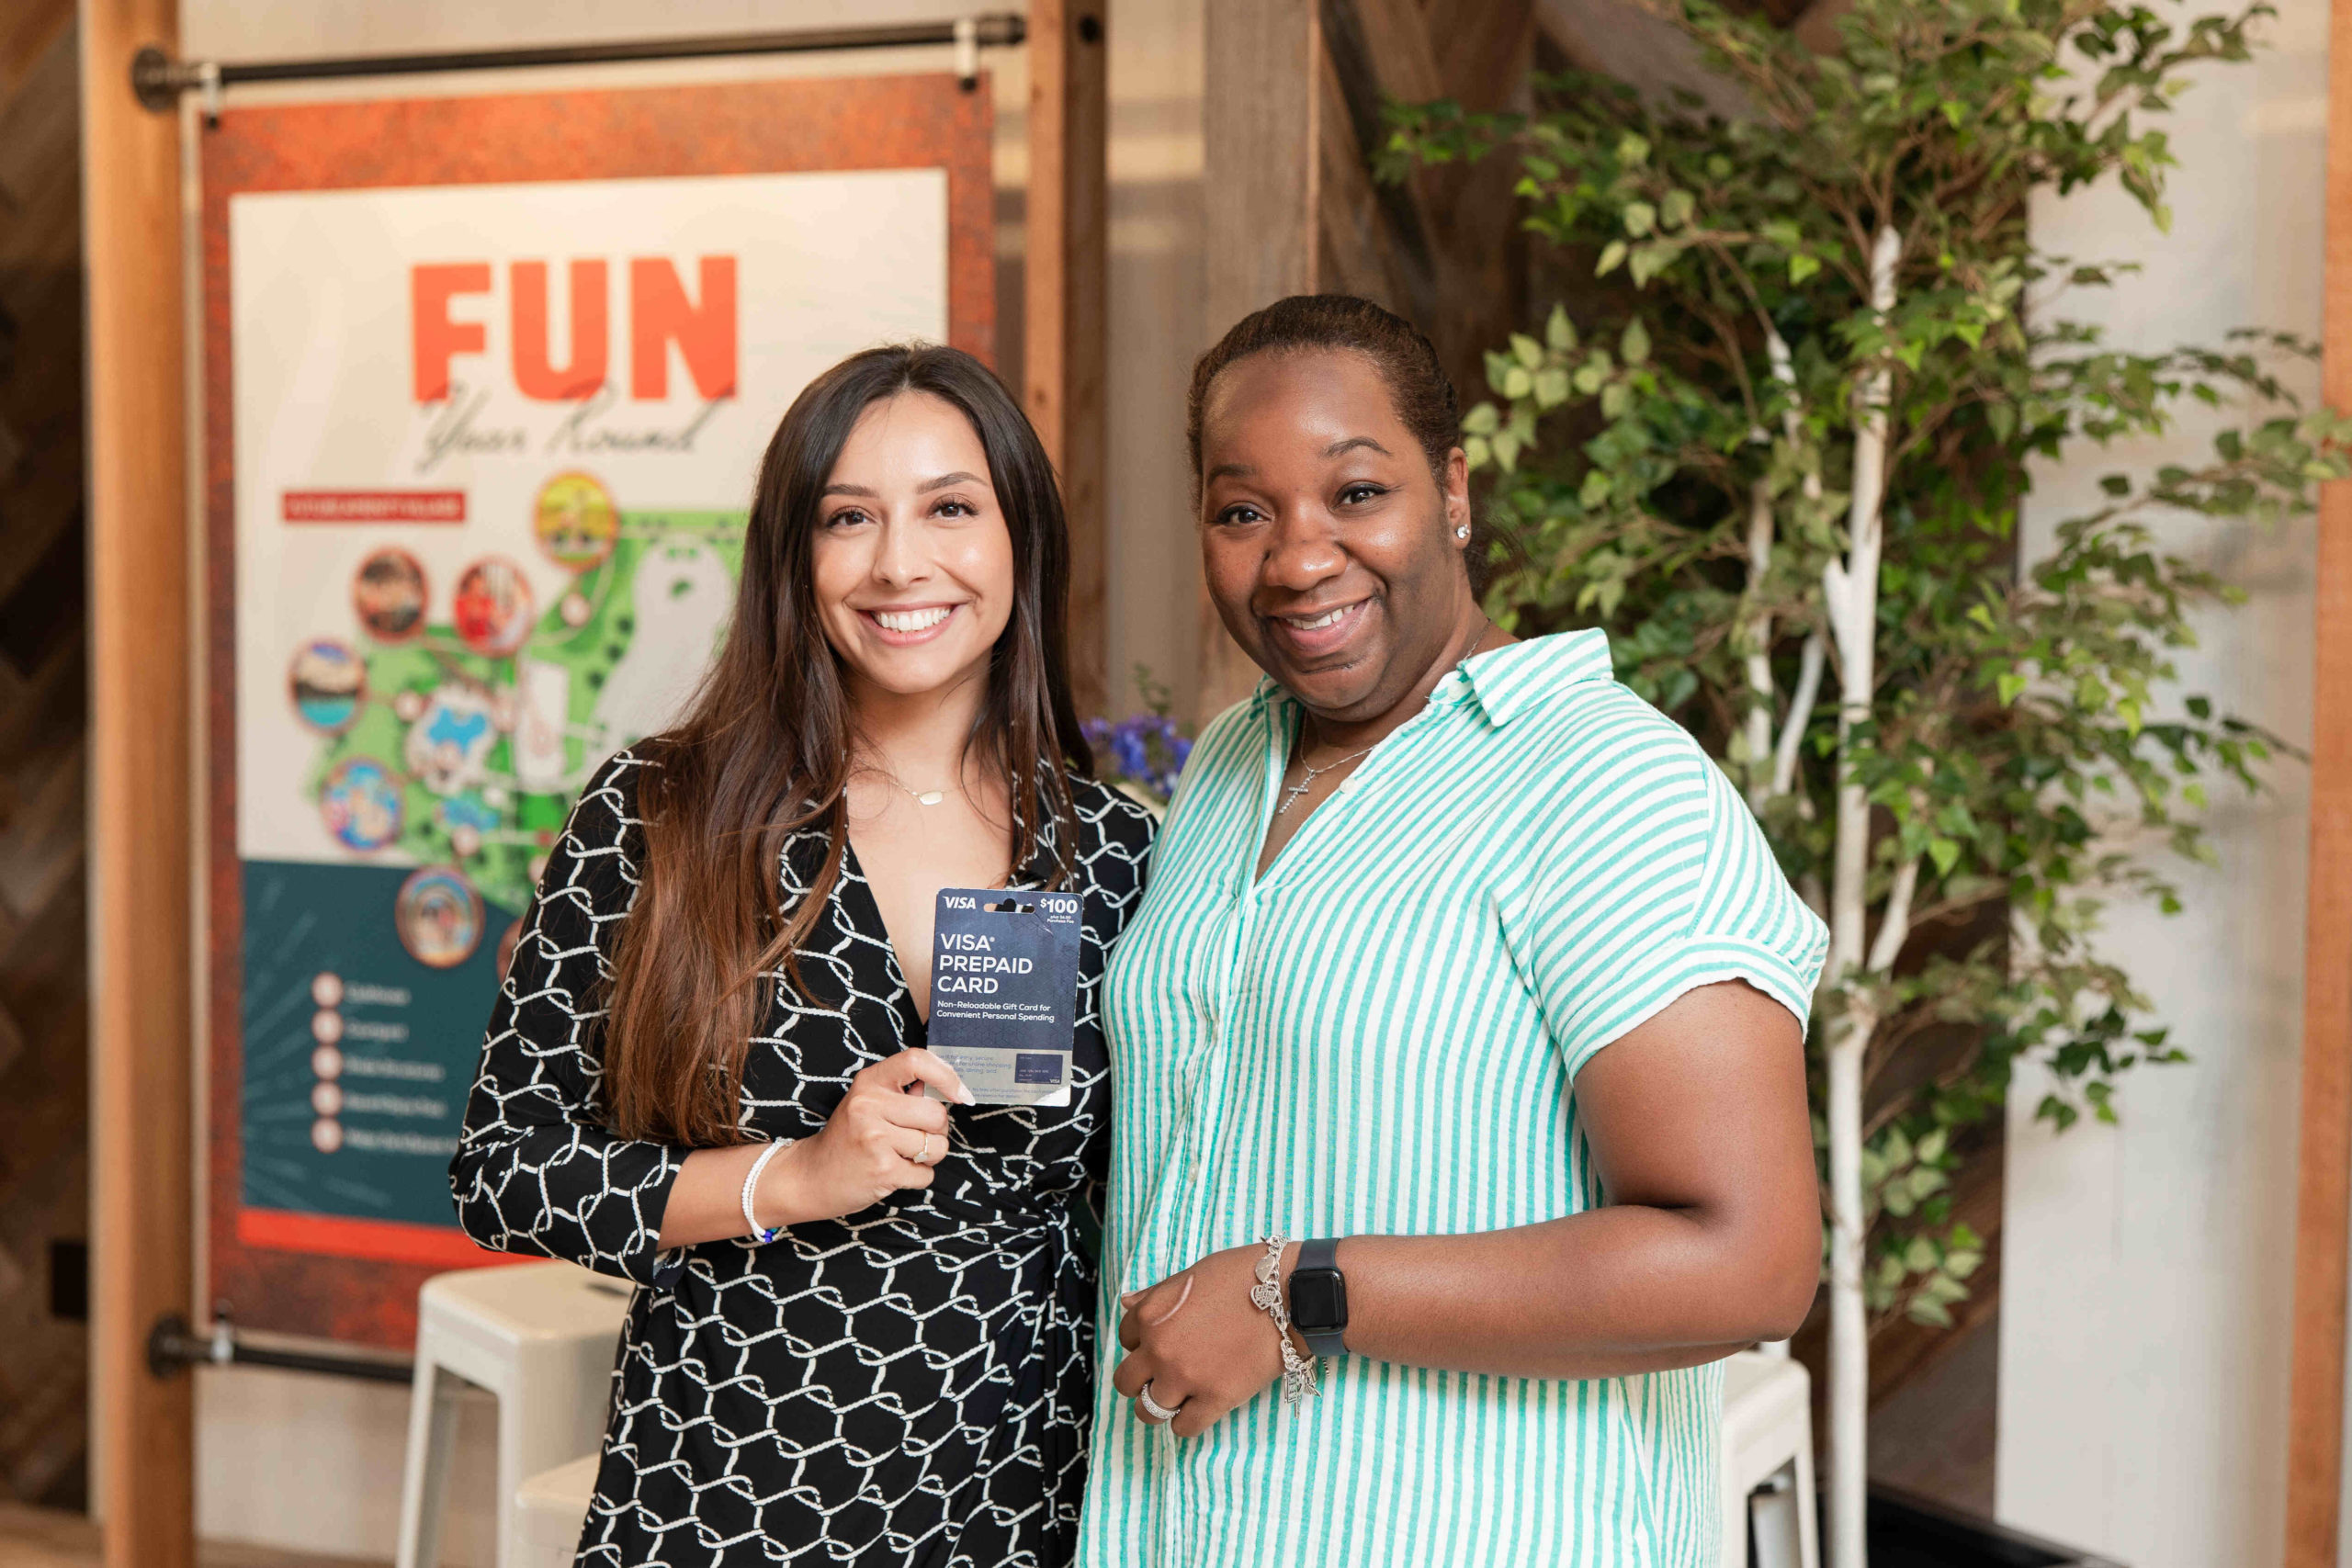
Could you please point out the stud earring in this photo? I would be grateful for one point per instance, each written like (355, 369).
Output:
(1463, 532)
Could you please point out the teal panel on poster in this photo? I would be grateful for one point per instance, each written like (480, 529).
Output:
(358, 1056)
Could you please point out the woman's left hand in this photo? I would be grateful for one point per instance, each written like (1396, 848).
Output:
(1200, 1343)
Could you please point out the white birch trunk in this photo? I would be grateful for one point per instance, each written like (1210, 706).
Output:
(1759, 658)
(1849, 590)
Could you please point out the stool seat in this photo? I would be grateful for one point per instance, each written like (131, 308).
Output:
(511, 1305)
(549, 1509)
(540, 1336)
(1768, 1430)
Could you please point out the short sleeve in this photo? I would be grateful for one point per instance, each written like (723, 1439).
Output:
(1611, 930)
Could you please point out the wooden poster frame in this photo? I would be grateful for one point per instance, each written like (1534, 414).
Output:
(287, 1275)
(2323, 1175)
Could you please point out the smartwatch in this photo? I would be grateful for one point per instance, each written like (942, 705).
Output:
(1319, 1298)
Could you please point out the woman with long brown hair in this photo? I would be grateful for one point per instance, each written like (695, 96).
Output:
(861, 1331)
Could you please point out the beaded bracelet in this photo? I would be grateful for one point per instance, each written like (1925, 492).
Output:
(1266, 1295)
(761, 1233)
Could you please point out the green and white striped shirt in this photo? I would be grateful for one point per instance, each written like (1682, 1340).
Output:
(1382, 1036)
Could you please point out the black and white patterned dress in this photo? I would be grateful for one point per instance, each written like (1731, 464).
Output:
(907, 1385)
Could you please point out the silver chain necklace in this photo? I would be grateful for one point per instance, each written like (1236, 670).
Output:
(1292, 792)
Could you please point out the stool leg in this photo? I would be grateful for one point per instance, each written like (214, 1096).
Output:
(425, 1478)
(1734, 1551)
(1808, 1502)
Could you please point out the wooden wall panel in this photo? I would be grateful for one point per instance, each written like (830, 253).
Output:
(1295, 90)
(140, 811)
(1257, 118)
(1065, 305)
(44, 1035)
(2324, 1185)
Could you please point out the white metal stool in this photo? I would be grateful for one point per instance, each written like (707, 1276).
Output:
(549, 1509)
(1767, 1432)
(538, 1335)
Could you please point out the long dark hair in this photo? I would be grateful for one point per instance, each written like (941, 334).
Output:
(765, 752)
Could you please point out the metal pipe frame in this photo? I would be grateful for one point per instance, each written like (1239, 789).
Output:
(158, 79)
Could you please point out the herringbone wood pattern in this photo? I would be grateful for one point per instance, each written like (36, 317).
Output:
(44, 1081)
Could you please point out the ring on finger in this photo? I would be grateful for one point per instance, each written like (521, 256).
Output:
(1152, 1407)
(925, 1156)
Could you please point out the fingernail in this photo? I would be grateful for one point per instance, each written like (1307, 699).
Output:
(963, 1096)
(1130, 1298)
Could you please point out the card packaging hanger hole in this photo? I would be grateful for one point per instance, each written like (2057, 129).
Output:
(1004, 992)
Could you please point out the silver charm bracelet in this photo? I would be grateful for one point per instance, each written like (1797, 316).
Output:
(1266, 1295)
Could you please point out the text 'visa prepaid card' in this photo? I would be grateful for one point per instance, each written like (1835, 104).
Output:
(1005, 991)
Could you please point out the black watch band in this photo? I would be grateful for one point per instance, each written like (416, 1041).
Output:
(1319, 1298)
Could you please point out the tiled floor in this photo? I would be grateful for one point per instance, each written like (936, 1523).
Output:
(43, 1538)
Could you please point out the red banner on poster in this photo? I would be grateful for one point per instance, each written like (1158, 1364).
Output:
(373, 506)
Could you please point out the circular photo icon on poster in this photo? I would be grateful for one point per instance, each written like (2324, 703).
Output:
(361, 804)
(326, 1026)
(326, 1099)
(326, 1062)
(492, 609)
(438, 916)
(327, 681)
(447, 748)
(388, 591)
(326, 1135)
(326, 988)
(576, 521)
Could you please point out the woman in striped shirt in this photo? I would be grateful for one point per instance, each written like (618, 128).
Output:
(1460, 956)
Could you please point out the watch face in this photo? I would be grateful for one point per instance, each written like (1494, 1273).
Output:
(1318, 1299)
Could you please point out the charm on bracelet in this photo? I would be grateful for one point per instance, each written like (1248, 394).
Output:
(1266, 1295)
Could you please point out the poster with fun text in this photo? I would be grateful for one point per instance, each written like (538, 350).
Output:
(483, 425)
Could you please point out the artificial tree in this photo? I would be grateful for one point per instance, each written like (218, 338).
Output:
(1778, 448)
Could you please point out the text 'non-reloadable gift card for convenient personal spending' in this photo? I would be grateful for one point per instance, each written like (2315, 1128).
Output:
(1005, 991)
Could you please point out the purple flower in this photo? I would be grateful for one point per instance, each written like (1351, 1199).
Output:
(1145, 749)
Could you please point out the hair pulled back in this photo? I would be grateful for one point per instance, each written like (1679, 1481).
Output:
(1408, 365)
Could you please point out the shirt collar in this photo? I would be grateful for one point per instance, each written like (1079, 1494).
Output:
(1506, 682)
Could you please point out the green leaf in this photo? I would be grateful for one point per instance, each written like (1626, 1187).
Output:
(1635, 347)
(1476, 452)
(1551, 387)
(1481, 421)
(1945, 853)
(1558, 331)
(1640, 219)
(1517, 382)
(1674, 210)
(2010, 688)
(1526, 350)
(1802, 266)
(1611, 256)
